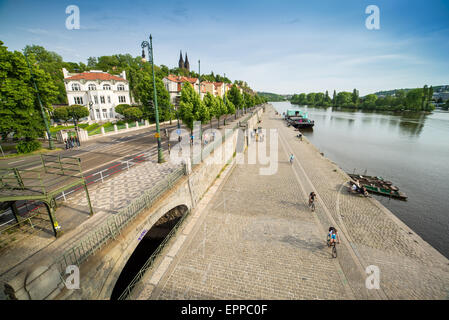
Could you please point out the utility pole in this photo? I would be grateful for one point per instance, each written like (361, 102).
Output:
(50, 142)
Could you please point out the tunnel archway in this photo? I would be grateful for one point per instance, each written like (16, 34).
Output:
(147, 245)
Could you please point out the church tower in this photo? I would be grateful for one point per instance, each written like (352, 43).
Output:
(181, 62)
(186, 64)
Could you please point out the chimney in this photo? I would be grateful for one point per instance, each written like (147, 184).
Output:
(124, 74)
(65, 72)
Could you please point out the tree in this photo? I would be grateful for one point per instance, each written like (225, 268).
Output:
(61, 113)
(355, 97)
(132, 114)
(20, 112)
(235, 97)
(211, 104)
(121, 108)
(230, 108)
(370, 101)
(413, 99)
(76, 112)
(334, 99)
(190, 106)
(220, 109)
(343, 99)
(52, 64)
(144, 93)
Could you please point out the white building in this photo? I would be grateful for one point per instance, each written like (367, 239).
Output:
(99, 91)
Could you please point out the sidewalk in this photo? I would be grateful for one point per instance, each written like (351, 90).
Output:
(257, 239)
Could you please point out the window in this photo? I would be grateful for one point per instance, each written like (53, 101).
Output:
(105, 113)
(98, 113)
(92, 87)
(109, 99)
(102, 99)
(122, 99)
(76, 87)
(78, 100)
(96, 99)
(106, 87)
(121, 87)
(111, 113)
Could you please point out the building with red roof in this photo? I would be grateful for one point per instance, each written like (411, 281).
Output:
(100, 91)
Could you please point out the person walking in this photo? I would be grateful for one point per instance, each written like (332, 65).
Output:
(66, 144)
(291, 158)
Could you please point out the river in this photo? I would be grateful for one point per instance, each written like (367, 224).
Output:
(409, 149)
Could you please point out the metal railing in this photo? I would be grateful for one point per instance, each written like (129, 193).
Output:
(149, 263)
(112, 227)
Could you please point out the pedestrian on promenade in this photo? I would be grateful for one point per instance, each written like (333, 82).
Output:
(70, 142)
(77, 140)
(166, 132)
(191, 140)
(66, 144)
(169, 147)
(291, 158)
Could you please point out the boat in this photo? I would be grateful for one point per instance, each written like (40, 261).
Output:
(378, 185)
(298, 119)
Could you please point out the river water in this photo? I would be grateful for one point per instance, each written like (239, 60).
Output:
(409, 149)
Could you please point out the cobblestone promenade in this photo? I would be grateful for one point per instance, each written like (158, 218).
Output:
(257, 239)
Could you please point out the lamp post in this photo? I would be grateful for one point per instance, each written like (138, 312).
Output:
(50, 142)
(149, 46)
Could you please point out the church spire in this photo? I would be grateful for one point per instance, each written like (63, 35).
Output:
(186, 63)
(181, 62)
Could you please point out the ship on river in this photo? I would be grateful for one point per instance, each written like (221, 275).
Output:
(298, 119)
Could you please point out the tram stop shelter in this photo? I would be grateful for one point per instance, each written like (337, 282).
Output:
(41, 181)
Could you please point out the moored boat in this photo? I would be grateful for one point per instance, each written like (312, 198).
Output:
(380, 186)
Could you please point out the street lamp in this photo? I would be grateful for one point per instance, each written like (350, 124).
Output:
(149, 46)
(50, 142)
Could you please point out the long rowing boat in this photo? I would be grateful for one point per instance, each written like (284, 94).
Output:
(379, 186)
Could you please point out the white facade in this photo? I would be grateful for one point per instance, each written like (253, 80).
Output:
(99, 91)
(173, 84)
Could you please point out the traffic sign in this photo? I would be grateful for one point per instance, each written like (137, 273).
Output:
(178, 131)
(156, 135)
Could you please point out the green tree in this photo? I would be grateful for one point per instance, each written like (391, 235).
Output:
(76, 112)
(190, 105)
(369, 101)
(144, 93)
(132, 114)
(61, 113)
(355, 97)
(343, 99)
(230, 108)
(334, 99)
(220, 109)
(19, 108)
(120, 109)
(52, 64)
(236, 98)
(211, 104)
(413, 99)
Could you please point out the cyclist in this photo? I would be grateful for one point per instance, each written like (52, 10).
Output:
(291, 158)
(334, 236)
(312, 197)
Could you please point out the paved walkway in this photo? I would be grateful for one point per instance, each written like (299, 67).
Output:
(257, 239)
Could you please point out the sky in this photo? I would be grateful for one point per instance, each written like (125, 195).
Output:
(278, 46)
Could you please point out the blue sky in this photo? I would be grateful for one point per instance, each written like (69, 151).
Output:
(277, 46)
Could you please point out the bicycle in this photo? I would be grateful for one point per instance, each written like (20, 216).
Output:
(334, 249)
(312, 205)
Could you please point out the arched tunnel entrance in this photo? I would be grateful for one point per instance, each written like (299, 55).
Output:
(148, 244)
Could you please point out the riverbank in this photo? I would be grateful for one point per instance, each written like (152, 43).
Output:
(257, 238)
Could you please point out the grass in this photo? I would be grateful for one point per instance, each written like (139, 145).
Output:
(41, 150)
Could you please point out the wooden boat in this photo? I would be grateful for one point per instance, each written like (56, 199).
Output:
(380, 186)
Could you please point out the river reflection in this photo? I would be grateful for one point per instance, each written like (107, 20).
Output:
(410, 149)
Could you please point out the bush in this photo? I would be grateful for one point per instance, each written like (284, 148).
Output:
(28, 146)
(120, 123)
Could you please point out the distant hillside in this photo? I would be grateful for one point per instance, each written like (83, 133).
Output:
(271, 96)
(436, 89)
